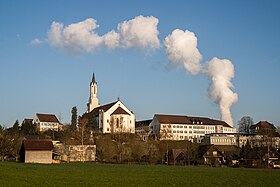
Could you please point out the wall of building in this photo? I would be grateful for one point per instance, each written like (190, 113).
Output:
(128, 120)
(41, 157)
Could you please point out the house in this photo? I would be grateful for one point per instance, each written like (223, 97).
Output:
(36, 151)
(46, 122)
(263, 127)
(231, 153)
(176, 127)
(210, 155)
(109, 118)
(142, 129)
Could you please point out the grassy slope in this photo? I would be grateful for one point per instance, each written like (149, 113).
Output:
(89, 174)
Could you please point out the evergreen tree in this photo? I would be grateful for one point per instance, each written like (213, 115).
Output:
(74, 118)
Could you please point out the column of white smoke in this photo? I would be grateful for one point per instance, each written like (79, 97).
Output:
(221, 72)
(181, 49)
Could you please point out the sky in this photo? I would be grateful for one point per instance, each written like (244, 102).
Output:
(228, 53)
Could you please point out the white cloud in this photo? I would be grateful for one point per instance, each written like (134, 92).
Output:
(221, 72)
(140, 32)
(55, 34)
(37, 41)
(181, 48)
(111, 40)
(77, 36)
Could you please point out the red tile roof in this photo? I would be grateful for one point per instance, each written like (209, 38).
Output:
(177, 119)
(262, 124)
(47, 118)
(37, 145)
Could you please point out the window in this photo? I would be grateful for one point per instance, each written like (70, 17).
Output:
(185, 131)
(190, 132)
(174, 131)
(185, 126)
(214, 153)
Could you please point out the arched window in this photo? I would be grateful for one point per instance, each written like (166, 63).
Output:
(118, 123)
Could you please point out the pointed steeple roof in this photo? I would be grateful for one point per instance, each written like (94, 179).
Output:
(93, 78)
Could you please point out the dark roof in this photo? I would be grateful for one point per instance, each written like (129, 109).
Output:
(263, 124)
(120, 110)
(37, 145)
(47, 118)
(106, 107)
(143, 123)
(176, 119)
(202, 149)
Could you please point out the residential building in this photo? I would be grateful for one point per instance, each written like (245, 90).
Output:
(176, 127)
(142, 128)
(109, 118)
(36, 151)
(210, 155)
(46, 122)
(263, 127)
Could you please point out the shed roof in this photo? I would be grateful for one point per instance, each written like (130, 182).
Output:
(36, 145)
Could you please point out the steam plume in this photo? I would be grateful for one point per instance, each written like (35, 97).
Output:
(181, 49)
(220, 72)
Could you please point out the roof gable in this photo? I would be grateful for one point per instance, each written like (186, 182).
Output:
(47, 118)
(120, 110)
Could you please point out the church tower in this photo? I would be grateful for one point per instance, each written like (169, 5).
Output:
(93, 99)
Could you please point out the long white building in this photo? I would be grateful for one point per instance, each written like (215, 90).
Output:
(176, 127)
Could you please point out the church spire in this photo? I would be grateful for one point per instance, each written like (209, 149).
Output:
(93, 78)
(93, 99)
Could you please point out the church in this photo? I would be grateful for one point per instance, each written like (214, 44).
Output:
(113, 117)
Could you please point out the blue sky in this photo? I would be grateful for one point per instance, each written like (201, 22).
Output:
(48, 79)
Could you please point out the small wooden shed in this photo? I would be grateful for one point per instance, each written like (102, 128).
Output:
(36, 151)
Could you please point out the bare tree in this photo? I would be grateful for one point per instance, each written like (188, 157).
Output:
(244, 124)
(82, 128)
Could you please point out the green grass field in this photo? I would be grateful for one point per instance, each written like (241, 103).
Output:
(91, 174)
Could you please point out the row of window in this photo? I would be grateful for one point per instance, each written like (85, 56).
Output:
(190, 127)
(223, 140)
(195, 132)
(48, 124)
